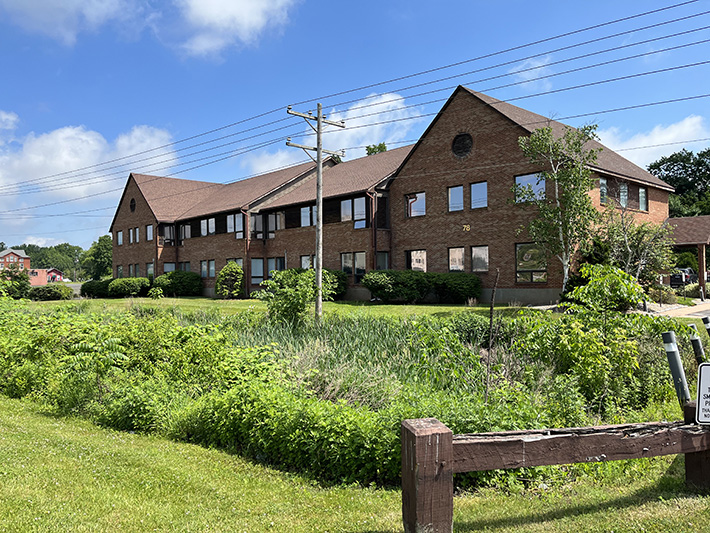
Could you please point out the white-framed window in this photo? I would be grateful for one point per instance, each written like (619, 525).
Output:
(456, 259)
(415, 204)
(479, 195)
(456, 198)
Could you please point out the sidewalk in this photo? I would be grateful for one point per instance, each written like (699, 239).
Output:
(698, 310)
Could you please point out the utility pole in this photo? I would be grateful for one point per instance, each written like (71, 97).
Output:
(320, 120)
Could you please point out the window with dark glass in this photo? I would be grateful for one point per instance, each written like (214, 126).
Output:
(530, 263)
(119, 238)
(479, 194)
(203, 269)
(383, 260)
(168, 235)
(149, 269)
(275, 223)
(184, 266)
(136, 270)
(130, 271)
(119, 271)
(308, 216)
(416, 204)
(529, 185)
(211, 268)
(456, 198)
(416, 260)
(168, 267)
(456, 259)
(603, 191)
(479, 258)
(257, 270)
(185, 231)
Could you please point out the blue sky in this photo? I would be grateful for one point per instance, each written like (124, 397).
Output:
(91, 91)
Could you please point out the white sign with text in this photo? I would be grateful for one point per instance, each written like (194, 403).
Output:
(703, 408)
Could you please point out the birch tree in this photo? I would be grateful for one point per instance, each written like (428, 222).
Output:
(566, 216)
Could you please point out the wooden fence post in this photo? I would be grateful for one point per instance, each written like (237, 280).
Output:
(427, 477)
(697, 464)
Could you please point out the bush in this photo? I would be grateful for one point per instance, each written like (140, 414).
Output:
(339, 280)
(289, 292)
(411, 286)
(456, 287)
(691, 290)
(405, 286)
(662, 294)
(95, 288)
(19, 282)
(51, 291)
(230, 281)
(124, 287)
(608, 289)
(179, 283)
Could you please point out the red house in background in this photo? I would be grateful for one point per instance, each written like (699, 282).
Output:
(14, 257)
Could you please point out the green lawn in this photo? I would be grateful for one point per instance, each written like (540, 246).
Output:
(68, 475)
(193, 304)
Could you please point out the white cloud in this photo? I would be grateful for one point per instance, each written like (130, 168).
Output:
(691, 127)
(47, 157)
(528, 72)
(218, 24)
(63, 20)
(42, 241)
(8, 120)
(385, 119)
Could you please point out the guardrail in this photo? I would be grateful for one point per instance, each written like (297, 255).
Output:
(432, 454)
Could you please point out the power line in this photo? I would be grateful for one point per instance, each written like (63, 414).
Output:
(392, 80)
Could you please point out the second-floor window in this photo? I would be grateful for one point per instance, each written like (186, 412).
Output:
(529, 187)
(416, 204)
(456, 198)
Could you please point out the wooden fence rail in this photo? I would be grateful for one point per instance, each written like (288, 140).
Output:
(431, 454)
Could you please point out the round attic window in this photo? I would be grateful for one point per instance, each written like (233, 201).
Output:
(462, 145)
(133, 204)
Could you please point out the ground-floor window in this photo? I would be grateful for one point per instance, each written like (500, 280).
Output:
(307, 262)
(237, 260)
(207, 269)
(479, 258)
(383, 261)
(119, 271)
(456, 259)
(184, 266)
(168, 267)
(130, 271)
(530, 264)
(149, 269)
(275, 263)
(353, 263)
(416, 260)
(257, 270)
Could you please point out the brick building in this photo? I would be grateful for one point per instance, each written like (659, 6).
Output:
(443, 204)
(11, 257)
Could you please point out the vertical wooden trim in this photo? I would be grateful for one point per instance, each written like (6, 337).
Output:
(427, 477)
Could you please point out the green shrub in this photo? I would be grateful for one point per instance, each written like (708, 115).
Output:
(289, 293)
(406, 286)
(230, 281)
(339, 280)
(95, 288)
(608, 289)
(156, 293)
(662, 294)
(456, 287)
(179, 283)
(19, 282)
(411, 286)
(691, 290)
(125, 287)
(51, 291)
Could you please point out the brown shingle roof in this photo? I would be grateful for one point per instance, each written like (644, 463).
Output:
(690, 230)
(171, 199)
(350, 177)
(608, 161)
(241, 194)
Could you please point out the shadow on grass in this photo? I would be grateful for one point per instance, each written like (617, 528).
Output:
(670, 485)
